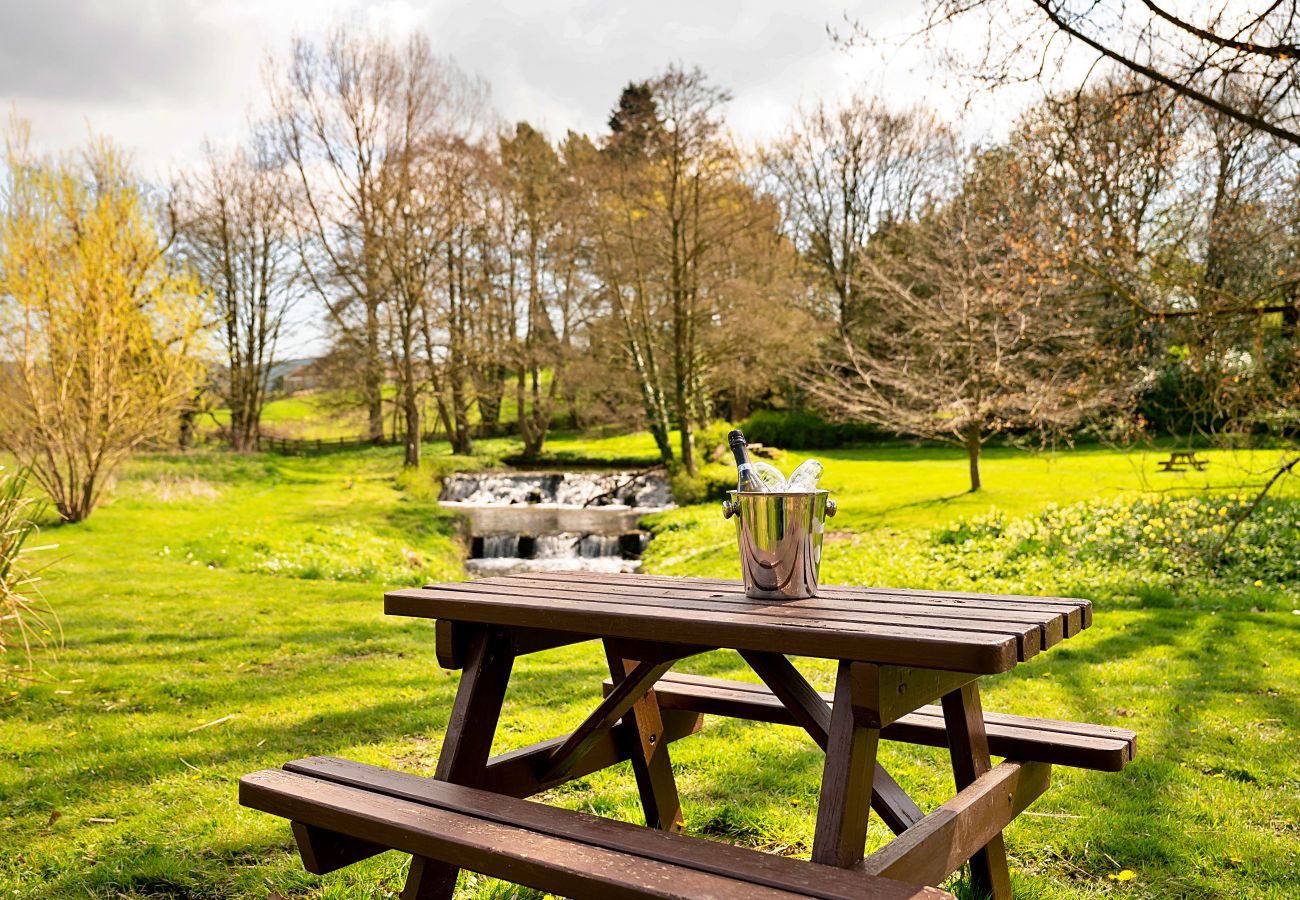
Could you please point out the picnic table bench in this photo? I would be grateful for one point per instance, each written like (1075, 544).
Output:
(1180, 460)
(896, 652)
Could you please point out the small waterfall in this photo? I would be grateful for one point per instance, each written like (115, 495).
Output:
(590, 545)
(491, 546)
(555, 521)
(557, 546)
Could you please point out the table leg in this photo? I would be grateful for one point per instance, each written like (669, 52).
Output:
(968, 745)
(654, 773)
(468, 744)
(845, 802)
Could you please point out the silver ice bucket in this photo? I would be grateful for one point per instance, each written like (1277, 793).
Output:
(780, 538)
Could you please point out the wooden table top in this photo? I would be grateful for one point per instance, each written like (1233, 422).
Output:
(963, 632)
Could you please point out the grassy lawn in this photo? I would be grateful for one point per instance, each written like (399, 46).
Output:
(308, 416)
(223, 615)
(329, 415)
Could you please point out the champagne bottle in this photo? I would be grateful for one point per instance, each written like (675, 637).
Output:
(804, 479)
(746, 478)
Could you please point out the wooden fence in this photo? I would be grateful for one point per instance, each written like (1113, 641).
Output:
(304, 446)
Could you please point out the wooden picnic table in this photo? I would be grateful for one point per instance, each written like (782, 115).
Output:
(897, 651)
(1180, 460)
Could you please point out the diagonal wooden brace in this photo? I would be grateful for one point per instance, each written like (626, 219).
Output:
(624, 696)
(515, 773)
(806, 706)
(651, 764)
(941, 843)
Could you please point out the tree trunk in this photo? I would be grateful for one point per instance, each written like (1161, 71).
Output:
(536, 423)
(575, 415)
(411, 409)
(374, 373)
(974, 441)
(659, 429)
(462, 441)
(521, 415)
(243, 420)
(688, 446)
(186, 437)
(488, 398)
(682, 403)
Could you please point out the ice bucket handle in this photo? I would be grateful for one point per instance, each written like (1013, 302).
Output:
(731, 508)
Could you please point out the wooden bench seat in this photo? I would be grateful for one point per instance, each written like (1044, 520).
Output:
(1084, 746)
(345, 811)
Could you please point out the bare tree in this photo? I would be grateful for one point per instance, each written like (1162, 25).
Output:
(842, 173)
(757, 335)
(449, 320)
(622, 267)
(962, 340)
(1176, 220)
(545, 284)
(441, 111)
(235, 232)
(367, 126)
(1205, 54)
(335, 120)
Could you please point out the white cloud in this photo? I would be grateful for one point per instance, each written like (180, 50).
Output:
(161, 76)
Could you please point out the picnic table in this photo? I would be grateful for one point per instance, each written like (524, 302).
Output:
(896, 653)
(1180, 460)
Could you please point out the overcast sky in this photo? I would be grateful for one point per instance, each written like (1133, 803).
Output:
(161, 76)
(158, 76)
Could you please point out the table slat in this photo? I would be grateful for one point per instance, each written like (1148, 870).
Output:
(1054, 621)
(1028, 636)
(939, 648)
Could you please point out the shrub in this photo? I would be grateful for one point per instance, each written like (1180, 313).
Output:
(1156, 533)
(802, 430)
(27, 624)
(712, 482)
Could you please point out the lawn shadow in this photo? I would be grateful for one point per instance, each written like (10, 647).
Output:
(1186, 734)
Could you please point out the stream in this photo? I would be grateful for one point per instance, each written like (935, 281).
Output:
(555, 521)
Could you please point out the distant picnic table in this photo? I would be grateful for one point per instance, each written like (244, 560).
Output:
(897, 651)
(1180, 460)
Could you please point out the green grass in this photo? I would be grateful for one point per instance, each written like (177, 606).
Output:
(159, 645)
(313, 416)
(328, 415)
